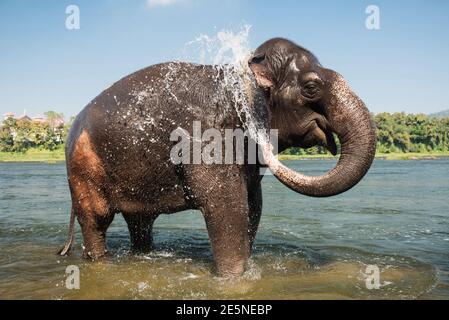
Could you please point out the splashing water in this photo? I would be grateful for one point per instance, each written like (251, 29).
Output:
(228, 51)
(226, 47)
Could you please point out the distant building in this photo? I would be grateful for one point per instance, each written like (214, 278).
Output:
(39, 120)
(24, 118)
(8, 115)
(54, 123)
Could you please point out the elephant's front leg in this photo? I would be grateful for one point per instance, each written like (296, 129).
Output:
(255, 209)
(223, 198)
(227, 225)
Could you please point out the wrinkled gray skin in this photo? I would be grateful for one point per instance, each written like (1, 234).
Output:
(118, 150)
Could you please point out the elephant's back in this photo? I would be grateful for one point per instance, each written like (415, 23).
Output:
(144, 101)
(128, 125)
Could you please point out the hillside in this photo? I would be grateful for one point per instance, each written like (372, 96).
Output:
(441, 114)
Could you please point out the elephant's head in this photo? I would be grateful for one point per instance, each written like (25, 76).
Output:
(307, 104)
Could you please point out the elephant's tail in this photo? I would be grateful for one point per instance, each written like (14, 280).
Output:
(71, 237)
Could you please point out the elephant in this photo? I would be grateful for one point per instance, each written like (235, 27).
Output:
(118, 149)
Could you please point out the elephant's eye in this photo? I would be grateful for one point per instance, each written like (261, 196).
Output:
(310, 86)
(310, 89)
(258, 59)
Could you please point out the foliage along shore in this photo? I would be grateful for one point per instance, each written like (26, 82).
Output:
(400, 136)
(383, 156)
(57, 155)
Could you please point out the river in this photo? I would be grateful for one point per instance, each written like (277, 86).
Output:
(396, 219)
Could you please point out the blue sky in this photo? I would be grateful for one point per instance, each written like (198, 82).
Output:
(404, 66)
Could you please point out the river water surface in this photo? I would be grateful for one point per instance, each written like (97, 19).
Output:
(397, 219)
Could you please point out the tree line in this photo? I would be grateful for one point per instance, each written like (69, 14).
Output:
(18, 135)
(402, 133)
(397, 132)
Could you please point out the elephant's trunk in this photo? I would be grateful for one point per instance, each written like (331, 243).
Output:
(351, 121)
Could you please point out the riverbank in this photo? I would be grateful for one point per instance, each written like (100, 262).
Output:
(384, 156)
(34, 155)
(37, 155)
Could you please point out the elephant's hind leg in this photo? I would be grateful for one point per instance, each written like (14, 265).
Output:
(89, 201)
(94, 224)
(140, 227)
(94, 216)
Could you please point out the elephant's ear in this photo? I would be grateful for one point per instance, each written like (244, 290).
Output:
(261, 73)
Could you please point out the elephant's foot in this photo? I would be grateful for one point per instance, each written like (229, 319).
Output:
(94, 235)
(94, 255)
(230, 270)
(230, 244)
(94, 247)
(142, 243)
(139, 247)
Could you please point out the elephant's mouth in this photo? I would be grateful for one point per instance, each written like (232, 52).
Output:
(317, 131)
